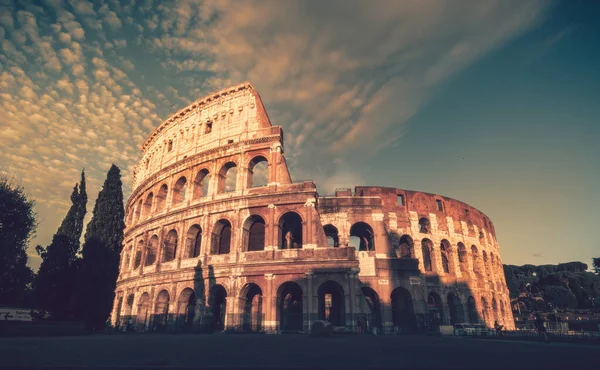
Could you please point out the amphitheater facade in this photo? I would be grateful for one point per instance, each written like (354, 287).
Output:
(219, 237)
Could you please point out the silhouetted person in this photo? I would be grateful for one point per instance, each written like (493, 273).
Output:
(498, 328)
(359, 327)
(541, 329)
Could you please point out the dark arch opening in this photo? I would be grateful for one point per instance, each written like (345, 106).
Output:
(254, 234)
(228, 178)
(201, 184)
(361, 237)
(406, 246)
(148, 206)
(472, 308)
(137, 259)
(180, 191)
(218, 301)
(374, 315)
(290, 306)
(151, 250)
(221, 237)
(456, 310)
(258, 169)
(424, 226)
(253, 312)
(161, 198)
(186, 309)
(331, 233)
(426, 247)
(445, 255)
(331, 303)
(290, 231)
(436, 311)
(403, 313)
(161, 311)
(463, 256)
(193, 241)
(170, 248)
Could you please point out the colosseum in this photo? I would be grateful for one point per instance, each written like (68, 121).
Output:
(219, 238)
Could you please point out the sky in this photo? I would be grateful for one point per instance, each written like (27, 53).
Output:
(494, 103)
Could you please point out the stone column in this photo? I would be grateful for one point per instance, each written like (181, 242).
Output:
(270, 309)
(273, 230)
(310, 303)
(353, 293)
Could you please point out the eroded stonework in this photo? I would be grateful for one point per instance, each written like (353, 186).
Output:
(218, 237)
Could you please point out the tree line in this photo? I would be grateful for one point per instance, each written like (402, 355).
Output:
(74, 281)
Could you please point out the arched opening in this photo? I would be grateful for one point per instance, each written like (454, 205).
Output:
(477, 267)
(445, 255)
(251, 295)
(180, 191)
(170, 246)
(374, 312)
(151, 250)
(126, 256)
(406, 247)
(258, 175)
(186, 309)
(161, 311)
(218, 302)
(484, 310)
(502, 312)
(494, 309)
(403, 313)
(331, 303)
(290, 231)
(254, 234)
(426, 247)
(193, 241)
(148, 205)
(331, 233)
(289, 300)
(119, 308)
(161, 198)
(436, 311)
(228, 177)
(472, 308)
(424, 226)
(361, 237)
(456, 310)
(143, 312)
(137, 260)
(201, 184)
(128, 311)
(463, 258)
(221, 237)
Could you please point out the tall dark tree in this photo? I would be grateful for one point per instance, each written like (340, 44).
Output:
(55, 284)
(17, 226)
(596, 262)
(101, 250)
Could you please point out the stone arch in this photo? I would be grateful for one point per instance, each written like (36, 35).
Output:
(406, 247)
(463, 258)
(129, 309)
(137, 259)
(475, 257)
(126, 256)
(436, 309)
(254, 233)
(143, 311)
(161, 310)
(426, 249)
(485, 310)
(403, 313)
(137, 217)
(161, 197)
(424, 225)
(472, 310)
(332, 235)
(362, 237)
(455, 308)
(227, 178)
(290, 230)
(502, 311)
(289, 302)
(170, 246)
(221, 237)
(251, 301)
(446, 256)
(331, 303)
(258, 172)
(218, 306)
(201, 184)
(151, 250)
(180, 191)
(186, 309)
(494, 309)
(193, 241)
(148, 205)
(374, 307)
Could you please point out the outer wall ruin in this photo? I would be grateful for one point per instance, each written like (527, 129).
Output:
(218, 237)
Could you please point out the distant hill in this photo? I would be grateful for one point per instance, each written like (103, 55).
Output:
(545, 287)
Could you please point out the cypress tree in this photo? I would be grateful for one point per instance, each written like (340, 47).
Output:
(101, 250)
(55, 283)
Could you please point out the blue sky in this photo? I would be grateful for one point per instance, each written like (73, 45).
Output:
(494, 103)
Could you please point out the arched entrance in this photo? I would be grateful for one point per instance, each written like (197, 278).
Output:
(435, 312)
(143, 312)
(186, 309)
(161, 311)
(472, 308)
(290, 231)
(374, 315)
(456, 310)
(252, 318)
(289, 299)
(218, 305)
(361, 237)
(403, 313)
(331, 303)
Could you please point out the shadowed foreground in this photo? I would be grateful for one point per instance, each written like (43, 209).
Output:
(292, 351)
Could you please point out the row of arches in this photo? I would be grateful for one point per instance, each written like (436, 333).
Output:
(183, 190)
(362, 237)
